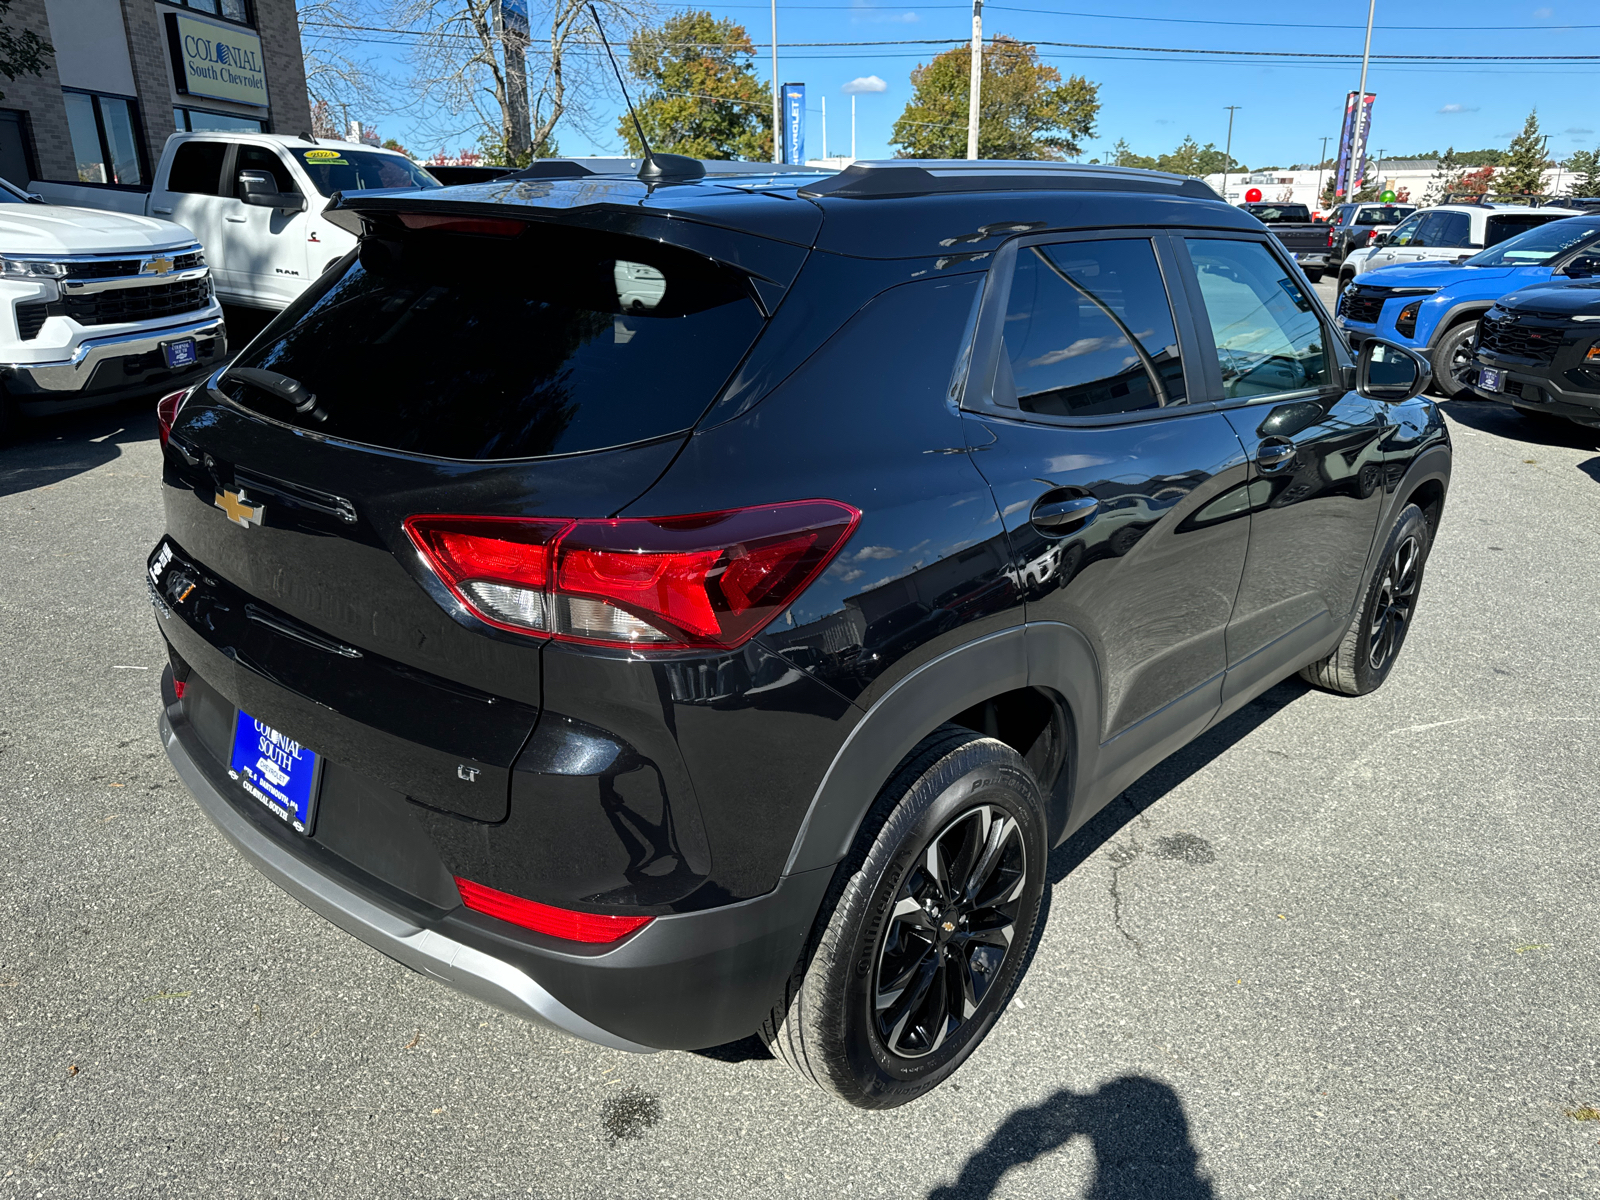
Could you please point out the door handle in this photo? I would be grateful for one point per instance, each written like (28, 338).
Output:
(235, 220)
(161, 210)
(1274, 456)
(1056, 516)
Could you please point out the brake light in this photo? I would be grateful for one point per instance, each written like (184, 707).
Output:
(167, 412)
(545, 918)
(1330, 239)
(450, 223)
(710, 580)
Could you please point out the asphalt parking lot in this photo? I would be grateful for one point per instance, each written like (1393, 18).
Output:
(1337, 948)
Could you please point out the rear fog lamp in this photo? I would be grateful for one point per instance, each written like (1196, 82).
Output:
(544, 918)
(709, 580)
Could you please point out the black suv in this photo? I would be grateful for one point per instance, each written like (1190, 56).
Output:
(1538, 349)
(679, 607)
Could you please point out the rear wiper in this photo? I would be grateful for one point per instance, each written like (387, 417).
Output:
(291, 391)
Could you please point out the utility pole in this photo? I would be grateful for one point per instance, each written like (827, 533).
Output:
(824, 127)
(1227, 153)
(1320, 169)
(1358, 142)
(777, 107)
(1378, 165)
(977, 79)
(852, 127)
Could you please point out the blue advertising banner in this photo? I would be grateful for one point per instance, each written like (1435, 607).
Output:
(514, 17)
(1348, 175)
(794, 123)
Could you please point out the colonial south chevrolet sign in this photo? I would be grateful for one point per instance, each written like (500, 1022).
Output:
(216, 60)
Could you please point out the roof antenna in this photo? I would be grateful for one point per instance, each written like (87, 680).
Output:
(306, 137)
(656, 168)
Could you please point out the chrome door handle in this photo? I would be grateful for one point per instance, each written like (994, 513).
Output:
(1274, 456)
(161, 210)
(235, 220)
(1054, 516)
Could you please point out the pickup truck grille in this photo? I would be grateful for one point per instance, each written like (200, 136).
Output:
(121, 268)
(1504, 337)
(117, 306)
(1361, 306)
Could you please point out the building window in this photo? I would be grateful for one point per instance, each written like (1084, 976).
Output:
(228, 10)
(17, 164)
(198, 120)
(105, 138)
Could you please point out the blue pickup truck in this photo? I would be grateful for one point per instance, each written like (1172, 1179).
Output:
(1434, 307)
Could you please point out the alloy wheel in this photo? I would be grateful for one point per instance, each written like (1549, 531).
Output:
(1397, 596)
(953, 923)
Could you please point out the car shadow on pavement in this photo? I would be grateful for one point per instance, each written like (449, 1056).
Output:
(46, 450)
(1487, 416)
(1136, 1128)
(1161, 779)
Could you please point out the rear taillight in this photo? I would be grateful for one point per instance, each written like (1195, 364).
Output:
(1330, 239)
(544, 918)
(712, 579)
(167, 411)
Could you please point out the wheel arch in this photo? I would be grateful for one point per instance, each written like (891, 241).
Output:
(1455, 315)
(986, 685)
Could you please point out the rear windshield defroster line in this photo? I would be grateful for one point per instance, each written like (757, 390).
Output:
(556, 341)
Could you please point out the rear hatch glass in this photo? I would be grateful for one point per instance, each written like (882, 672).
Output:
(554, 340)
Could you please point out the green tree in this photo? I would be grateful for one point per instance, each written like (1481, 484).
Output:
(1523, 172)
(1585, 168)
(1123, 156)
(704, 99)
(24, 53)
(1025, 110)
(1446, 178)
(1191, 158)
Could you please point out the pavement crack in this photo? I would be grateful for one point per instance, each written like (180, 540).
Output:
(1122, 857)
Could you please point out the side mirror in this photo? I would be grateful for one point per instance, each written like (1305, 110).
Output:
(260, 190)
(1582, 267)
(1385, 371)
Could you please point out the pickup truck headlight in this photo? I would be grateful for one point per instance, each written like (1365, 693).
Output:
(22, 268)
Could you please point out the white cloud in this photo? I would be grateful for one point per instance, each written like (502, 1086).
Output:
(867, 83)
(1577, 131)
(1158, 121)
(1458, 108)
(1543, 14)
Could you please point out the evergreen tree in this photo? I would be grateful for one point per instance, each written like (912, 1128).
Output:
(1446, 178)
(1026, 110)
(1191, 158)
(1523, 171)
(1122, 156)
(704, 99)
(1585, 168)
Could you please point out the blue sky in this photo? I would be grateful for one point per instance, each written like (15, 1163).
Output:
(1154, 100)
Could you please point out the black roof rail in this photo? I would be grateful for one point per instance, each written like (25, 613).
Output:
(889, 178)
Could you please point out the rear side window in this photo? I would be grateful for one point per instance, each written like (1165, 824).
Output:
(1450, 229)
(197, 168)
(1266, 330)
(1089, 331)
(556, 341)
(1407, 233)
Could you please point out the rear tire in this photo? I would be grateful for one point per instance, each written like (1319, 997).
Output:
(1452, 353)
(1345, 280)
(927, 928)
(1372, 644)
(1314, 276)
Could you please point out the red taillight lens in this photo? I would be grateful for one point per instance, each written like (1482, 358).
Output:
(543, 918)
(712, 579)
(1330, 239)
(167, 411)
(450, 223)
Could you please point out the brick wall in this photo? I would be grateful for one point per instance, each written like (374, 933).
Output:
(279, 29)
(152, 74)
(41, 97)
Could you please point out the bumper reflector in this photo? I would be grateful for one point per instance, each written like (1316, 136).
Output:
(543, 918)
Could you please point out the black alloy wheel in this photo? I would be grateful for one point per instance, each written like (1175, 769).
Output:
(954, 921)
(927, 927)
(1368, 651)
(1452, 358)
(1396, 600)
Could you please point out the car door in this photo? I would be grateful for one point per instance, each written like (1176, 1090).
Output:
(1081, 391)
(192, 194)
(264, 248)
(1405, 244)
(1315, 447)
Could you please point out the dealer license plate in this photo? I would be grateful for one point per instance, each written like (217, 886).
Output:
(1489, 379)
(180, 353)
(276, 770)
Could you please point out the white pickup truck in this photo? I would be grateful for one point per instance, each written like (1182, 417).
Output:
(98, 306)
(255, 201)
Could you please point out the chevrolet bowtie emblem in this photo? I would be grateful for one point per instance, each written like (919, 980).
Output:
(238, 509)
(156, 266)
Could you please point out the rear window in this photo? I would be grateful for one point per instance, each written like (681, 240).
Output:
(456, 345)
(1389, 214)
(1504, 226)
(1281, 214)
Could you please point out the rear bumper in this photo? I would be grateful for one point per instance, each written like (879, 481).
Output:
(101, 370)
(685, 981)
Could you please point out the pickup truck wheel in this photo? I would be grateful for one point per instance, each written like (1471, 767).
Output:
(1451, 355)
(927, 930)
(1372, 643)
(1314, 276)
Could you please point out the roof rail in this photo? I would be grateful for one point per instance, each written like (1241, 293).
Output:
(889, 178)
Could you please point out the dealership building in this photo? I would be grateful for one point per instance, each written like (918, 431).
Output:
(126, 74)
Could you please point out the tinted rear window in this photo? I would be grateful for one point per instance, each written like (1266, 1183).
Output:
(460, 346)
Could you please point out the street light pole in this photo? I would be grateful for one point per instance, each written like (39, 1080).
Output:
(1227, 153)
(852, 127)
(977, 79)
(1358, 142)
(1320, 170)
(777, 111)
